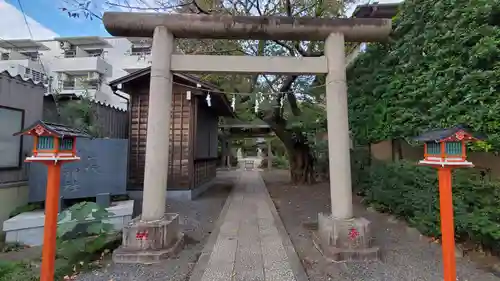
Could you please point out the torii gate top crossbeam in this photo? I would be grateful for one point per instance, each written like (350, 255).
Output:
(128, 24)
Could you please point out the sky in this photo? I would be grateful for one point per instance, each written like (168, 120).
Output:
(47, 20)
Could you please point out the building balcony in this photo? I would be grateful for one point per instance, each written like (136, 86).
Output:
(77, 92)
(79, 88)
(19, 65)
(135, 61)
(78, 65)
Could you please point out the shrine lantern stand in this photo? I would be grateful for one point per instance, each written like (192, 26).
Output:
(53, 145)
(445, 150)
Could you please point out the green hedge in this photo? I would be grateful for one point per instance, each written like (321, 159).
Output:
(279, 162)
(411, 192)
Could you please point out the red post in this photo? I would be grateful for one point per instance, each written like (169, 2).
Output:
(447, 224)
(50, 228)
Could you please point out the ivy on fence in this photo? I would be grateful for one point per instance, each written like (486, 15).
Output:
(441, 67)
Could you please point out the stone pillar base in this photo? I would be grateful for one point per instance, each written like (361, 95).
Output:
(345, 240)
(150, 242)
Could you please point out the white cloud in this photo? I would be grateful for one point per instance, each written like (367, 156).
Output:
(14, 27)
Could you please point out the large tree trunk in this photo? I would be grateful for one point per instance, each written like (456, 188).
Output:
(298, 150)
(301, 163)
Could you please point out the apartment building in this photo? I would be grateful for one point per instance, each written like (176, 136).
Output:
(76, 66)
(73, 66)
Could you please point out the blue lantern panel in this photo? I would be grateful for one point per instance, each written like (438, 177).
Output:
(66, 144)
(45, 143)
(454, 148)
(433, 148)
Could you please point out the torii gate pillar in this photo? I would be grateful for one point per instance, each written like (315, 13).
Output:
(341, 236)
(155, 234)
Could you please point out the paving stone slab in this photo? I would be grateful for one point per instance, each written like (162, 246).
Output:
(248, 244)
(218, 271)
(249, 275)
(248, 261)
(224, 251)
(279, 271)
(273, 252)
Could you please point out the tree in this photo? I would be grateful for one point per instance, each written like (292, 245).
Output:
(79, 113)
(283, 110)
(440, 68)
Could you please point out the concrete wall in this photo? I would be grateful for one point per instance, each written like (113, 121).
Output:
(25, 95)
(20, 94)
(102, 169)
(11, 197)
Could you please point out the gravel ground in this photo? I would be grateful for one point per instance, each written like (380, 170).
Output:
(197, 219)
(406, 255)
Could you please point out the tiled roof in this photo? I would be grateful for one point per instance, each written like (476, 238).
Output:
(64, 130)
(440, 134)
(57, 129)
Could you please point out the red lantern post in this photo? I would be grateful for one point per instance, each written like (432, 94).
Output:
(53, 146)
(445, 150)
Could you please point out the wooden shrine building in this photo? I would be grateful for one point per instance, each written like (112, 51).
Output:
(193, 150)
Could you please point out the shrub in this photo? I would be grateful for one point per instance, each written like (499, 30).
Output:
(83, 237)
(17, 271)
(25, 208)
(320, 152)
(411, 191)
(281, 162)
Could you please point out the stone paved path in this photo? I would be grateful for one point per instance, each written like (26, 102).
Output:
(251, 243)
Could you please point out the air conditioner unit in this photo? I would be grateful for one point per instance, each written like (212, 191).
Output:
(65, 45)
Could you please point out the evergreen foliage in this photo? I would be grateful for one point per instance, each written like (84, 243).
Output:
(441, 67)
(411, 192)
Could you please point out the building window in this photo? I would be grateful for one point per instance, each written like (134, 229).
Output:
(37, 76)
(92, 84)
(71, 53)
(68, 84)
(140, 50)
(95, 53)
(11, 122)
(31, 55)
(33, 74)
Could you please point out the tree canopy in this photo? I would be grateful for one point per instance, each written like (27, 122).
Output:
(291, 105)
(440, 68)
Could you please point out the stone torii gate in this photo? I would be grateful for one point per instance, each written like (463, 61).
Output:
(336, 236)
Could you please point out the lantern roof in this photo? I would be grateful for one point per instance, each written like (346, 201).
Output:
(459, 132)
(57, 130)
